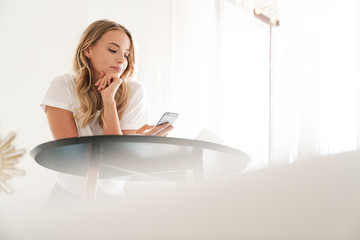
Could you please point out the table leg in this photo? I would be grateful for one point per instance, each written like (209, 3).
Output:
(195, 173)
(198, 174)
(91, 185)
(92, 174)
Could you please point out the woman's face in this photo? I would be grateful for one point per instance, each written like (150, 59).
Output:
(110, 53)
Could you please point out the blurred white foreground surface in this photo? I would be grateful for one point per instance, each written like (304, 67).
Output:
(318, 199)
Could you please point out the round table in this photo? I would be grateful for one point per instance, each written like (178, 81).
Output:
(116, 156)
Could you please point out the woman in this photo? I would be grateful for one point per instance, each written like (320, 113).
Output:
(100, 99)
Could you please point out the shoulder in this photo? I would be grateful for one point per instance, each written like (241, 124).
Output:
(137, 93)
(60, 93)
(136, 88)
(62, 85)
(64, 80)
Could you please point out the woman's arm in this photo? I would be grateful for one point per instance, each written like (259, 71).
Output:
(108, 85)
(61, 123)
(150, 130)
(111, 120)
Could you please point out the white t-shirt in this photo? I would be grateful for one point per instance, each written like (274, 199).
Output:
(61, 94)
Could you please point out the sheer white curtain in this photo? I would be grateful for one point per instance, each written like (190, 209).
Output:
(316, 79)
(219, 74)
(208, 60)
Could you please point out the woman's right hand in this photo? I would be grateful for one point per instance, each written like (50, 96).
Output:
(108, 84)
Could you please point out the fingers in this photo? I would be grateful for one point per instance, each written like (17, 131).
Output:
(149, 130)
(161, 130)
(106, 80)
(155, 131)
(165, 132)
(102, 74)
(144, 128)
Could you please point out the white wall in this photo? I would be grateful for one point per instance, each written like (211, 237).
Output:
(37, 42)
(38, 39)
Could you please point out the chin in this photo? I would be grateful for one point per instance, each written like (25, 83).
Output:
(118, 74)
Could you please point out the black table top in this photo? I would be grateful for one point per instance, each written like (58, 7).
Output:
(119, 156)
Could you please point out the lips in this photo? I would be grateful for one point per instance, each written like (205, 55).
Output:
(117, 69)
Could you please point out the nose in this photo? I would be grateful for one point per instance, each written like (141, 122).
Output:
(121, 59)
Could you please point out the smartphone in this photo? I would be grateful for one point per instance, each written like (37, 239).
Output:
(169, 117)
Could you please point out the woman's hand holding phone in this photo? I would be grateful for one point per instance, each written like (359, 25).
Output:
(162, 128)
(150, 130)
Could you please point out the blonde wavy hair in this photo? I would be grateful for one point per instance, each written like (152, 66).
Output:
(89, 96)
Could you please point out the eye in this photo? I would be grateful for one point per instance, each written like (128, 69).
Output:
(126, 56)
(113, 51)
